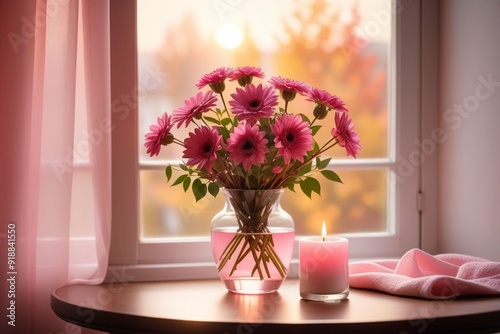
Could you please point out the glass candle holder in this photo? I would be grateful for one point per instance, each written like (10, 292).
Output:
(324, 268)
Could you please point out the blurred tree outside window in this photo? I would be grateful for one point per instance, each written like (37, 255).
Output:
(339, 46)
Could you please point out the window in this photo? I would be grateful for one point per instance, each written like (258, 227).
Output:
(380, 215)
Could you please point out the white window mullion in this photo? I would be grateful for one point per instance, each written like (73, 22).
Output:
(406, 88)
(124, 99)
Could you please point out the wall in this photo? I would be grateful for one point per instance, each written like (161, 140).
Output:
(469, 108)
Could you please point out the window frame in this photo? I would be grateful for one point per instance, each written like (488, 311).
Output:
(192, 257)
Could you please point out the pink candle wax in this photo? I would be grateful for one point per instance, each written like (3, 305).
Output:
(324, 266)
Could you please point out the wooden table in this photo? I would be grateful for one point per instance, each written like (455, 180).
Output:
(205, 306)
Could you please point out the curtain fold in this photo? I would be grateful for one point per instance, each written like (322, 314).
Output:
(56, 139)
(95, 22)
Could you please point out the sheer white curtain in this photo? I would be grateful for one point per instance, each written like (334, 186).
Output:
(55, 148)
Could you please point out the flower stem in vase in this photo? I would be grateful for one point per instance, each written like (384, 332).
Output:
(252, 213)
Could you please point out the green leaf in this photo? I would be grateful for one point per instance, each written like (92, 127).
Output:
(225, 121)
(224, 132)
(253, 181)
(186, 183)
(306, 169)
(184, 167)
(314, 184)
(304, 186)
(316, 147)
(305, 118)
(213, 189)
(179, 180)
(272, 154)
(211, 119)
(309, 185)
(199, 189)
(323, 164)
(331, 175)
(315, 129)
(168, 172)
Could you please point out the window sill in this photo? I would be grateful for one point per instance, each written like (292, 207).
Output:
(160, 269)
(148, 272)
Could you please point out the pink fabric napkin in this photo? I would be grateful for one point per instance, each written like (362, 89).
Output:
(419, 274)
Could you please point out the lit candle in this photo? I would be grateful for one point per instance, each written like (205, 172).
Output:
(324, 267)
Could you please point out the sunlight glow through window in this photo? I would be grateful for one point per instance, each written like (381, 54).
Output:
(229, 36)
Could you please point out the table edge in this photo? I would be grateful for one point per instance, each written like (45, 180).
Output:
(107, 321)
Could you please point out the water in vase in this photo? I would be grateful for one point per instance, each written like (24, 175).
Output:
(244, 277)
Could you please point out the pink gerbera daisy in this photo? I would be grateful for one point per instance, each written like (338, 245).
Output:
(159, 135)
(293, 137)
(247, 145)
(202, 146)
(253, 103)
(337, 104)
(215, 79)
(345, 134)
(288, 87)
(245, 74)
(194, 107)
(326, 99)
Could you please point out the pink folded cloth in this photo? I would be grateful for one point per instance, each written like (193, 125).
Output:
(419, 274)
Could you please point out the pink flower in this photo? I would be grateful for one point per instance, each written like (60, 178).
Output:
(160, 134)
(245, 74)
(194, 107)
(345, 134)
(253, 103)
(293, 137)
(326, 99)
(277, 169)
(202, 146)
(247, 145)
(288, 87)
(337, 104)
(215, 79)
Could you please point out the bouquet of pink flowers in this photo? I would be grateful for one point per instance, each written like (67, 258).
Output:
(255, 143)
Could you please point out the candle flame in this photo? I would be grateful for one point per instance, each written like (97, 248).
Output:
(323, 232)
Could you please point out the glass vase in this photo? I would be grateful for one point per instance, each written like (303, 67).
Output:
(252, 241)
